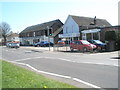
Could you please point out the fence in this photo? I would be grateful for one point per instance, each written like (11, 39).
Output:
(61, 48)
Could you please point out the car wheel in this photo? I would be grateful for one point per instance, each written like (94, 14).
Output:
(38, 45)
(99, 49)
(51, 45)
(85, 49)
(44, 45)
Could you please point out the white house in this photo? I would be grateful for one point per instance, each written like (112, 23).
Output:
(75, 24)
(70, 29)
(14, 37)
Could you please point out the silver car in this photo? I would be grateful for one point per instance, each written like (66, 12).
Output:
(13, 45)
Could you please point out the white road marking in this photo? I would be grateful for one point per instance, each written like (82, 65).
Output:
(81, 81)
(23, 59)
(58, 75)
(116, 65)
(66, 60)
(28, 59)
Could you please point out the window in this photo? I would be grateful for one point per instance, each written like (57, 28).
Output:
(97, 41)
(77, 42)
(73, 42)
(46, 33)
(85, 42)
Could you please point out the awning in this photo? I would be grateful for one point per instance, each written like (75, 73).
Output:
(91, 31)
(69, 35)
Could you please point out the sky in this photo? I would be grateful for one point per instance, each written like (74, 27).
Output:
(20, 14)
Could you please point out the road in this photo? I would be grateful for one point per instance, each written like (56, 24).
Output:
(86, 70)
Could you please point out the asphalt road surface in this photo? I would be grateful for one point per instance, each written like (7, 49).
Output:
(98, 70)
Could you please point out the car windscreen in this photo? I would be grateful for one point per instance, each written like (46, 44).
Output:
(46, 42)
(15, 44)
(85, 42)
(97, 41)
(37, 43)
(60, 41)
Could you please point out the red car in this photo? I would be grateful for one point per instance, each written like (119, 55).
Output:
(61, 43)
(82, 45)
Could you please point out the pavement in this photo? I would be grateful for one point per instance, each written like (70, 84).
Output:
(66, 49)
(48, 48)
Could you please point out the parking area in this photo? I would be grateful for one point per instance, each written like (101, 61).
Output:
(66, 49)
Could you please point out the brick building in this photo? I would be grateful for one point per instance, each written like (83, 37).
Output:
(39, 32)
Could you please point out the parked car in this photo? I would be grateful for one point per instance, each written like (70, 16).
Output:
(13, 45)
(8, 44)
(36, 44)
(61, 43)
(43, 44)
(82, 45)
(100, 45)
(67, 42)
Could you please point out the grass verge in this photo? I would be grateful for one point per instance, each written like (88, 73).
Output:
(17, 77)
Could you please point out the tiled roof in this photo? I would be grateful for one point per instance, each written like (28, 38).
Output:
(38, 27)
(13, 35)
(87, 21)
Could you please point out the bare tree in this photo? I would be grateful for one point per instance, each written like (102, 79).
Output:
(4, 30)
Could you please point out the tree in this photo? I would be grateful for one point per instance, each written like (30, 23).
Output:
(4, 30)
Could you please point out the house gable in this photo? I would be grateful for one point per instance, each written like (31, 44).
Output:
(70, 26)
(75, 24)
